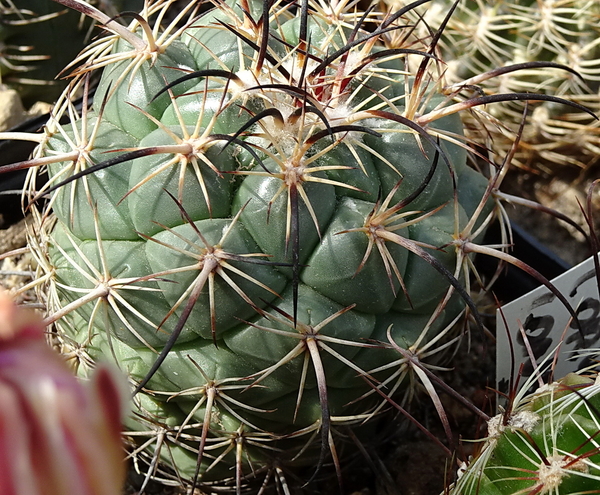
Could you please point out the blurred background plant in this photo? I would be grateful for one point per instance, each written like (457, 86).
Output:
(487, 35)
(57, 435)
(38, 39)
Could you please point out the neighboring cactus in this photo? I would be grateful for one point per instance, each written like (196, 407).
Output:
(546, 443)
(257, 198)
(38, 39)
(484, 36)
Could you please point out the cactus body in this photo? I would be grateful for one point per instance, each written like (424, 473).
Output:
(546, 444)
(261, 214)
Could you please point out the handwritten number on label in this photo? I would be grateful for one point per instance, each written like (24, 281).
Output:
(590, 326)
(539, 342)
(539, 333)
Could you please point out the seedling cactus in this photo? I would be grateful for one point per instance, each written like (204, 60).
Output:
(260, 199)
(545, 443)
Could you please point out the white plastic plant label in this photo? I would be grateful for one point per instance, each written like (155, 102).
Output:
(548, 326)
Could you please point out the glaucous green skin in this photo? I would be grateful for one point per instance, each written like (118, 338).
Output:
(139, 235)
(548, 444)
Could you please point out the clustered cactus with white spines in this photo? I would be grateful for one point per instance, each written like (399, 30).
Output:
(484, 36)
(263, 206)
(546, 443)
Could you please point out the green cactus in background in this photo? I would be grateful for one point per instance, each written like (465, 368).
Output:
(484, 36)
(38, 39)
(546, 443)
(259, 200)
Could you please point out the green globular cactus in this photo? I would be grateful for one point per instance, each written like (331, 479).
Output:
(547, 443)
(486, 36)
(260, 198)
